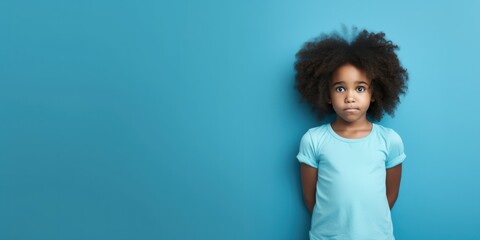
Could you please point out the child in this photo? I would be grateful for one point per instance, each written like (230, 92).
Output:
(351, 167)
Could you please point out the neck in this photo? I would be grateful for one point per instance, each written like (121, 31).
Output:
(339, 123)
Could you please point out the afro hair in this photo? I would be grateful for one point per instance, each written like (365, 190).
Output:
(371, 52)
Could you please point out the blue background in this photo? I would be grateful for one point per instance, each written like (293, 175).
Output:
(178, 119)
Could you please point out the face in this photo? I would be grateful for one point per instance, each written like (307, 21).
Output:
(350, 94)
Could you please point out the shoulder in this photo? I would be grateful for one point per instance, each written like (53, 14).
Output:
(318, 131)
(394, 146)
(389, 135)
(316, 135)
(386, 131)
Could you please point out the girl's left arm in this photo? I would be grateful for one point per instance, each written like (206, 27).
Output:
(393, 178)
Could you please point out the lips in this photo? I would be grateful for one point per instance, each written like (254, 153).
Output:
(351, 109)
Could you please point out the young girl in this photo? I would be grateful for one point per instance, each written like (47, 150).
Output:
(351, 167)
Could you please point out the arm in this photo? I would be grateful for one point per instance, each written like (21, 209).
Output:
(394, 175)
(309, 185)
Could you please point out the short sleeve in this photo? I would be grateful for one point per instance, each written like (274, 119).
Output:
(306, 153)
(396, 154)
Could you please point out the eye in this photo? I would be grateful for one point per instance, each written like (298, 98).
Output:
(361, 89)
(340, 89)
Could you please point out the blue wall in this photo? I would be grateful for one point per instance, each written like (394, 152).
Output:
(156, 120)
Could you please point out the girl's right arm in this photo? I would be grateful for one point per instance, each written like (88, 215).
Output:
(309, 185)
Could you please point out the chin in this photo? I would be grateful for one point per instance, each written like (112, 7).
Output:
(350, 119)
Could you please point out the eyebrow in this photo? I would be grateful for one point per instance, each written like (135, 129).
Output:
(341, 82)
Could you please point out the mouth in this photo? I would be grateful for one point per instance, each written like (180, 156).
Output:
(351, 109)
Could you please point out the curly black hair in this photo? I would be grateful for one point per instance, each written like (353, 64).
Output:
(371, 52)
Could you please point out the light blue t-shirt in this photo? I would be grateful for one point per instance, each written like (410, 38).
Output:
(351, 201)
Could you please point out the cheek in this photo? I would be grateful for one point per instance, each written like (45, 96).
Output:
(336, 102)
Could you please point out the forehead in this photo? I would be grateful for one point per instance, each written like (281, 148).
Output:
(349, 74)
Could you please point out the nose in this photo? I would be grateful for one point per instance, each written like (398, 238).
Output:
(349, 98)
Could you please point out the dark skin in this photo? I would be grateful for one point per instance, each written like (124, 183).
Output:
(309, 183)
(350, 95)
(393, 178)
